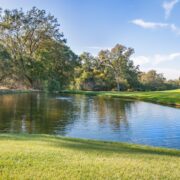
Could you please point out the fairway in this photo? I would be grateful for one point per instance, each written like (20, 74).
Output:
(50, 157)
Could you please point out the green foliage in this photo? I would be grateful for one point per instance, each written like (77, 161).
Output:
(35, 50)
(154, 81)
(118, 62)
(59, 63)
(108, 69)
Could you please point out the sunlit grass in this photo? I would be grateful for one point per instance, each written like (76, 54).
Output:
(162, 97)
(50, 157)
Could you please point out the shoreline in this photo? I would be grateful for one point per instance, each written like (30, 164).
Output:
(18, 136)
(15, 91)
(167, 98)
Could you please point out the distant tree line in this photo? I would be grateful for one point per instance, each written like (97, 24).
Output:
(34, 54)
(114, 70)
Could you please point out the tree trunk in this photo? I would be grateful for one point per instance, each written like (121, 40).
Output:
(118, 87)
(117, 80)
(30, 80)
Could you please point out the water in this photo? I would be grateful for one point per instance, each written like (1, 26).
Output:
(91, 117)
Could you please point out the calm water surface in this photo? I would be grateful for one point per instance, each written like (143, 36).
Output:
(91, 117)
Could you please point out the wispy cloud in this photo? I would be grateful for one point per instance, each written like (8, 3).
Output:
(168, 7)
(156, 59)
(149, 25)
(175, 29)
(159, 58)
(140, 60)
(156, 25)
(169, 73)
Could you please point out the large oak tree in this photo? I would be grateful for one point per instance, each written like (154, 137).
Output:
(118, 61)
(23, 34)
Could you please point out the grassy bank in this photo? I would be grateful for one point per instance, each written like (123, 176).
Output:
(50, 157)
(171, 98)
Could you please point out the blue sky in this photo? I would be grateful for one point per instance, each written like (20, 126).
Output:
(151, 27)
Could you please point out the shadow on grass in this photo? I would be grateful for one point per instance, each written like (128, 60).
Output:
(91, 146)
(107, 147)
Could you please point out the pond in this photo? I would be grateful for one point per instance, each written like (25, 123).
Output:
(101, 118)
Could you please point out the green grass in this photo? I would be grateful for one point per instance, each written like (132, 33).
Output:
(171, 98)
(50, 157)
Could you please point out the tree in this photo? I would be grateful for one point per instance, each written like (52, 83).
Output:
(91, 75)
(23, 34)
(118, 61)
(152, 80)
(59, 63)
(84, 74)
(5, 65)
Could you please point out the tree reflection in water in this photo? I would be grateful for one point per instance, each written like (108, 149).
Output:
(34, 113)
(107, 111)
(42, 113)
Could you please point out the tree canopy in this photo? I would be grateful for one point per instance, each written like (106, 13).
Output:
(24, 36)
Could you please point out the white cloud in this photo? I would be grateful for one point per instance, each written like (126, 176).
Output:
(154, 25)
(169, 73)
(155, 59)
(168, 7)
(175, 29)
(159, 58)
(149, 25)
(140, 60)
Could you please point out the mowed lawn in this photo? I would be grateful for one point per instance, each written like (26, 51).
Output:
(162, 97)
(50, 157)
